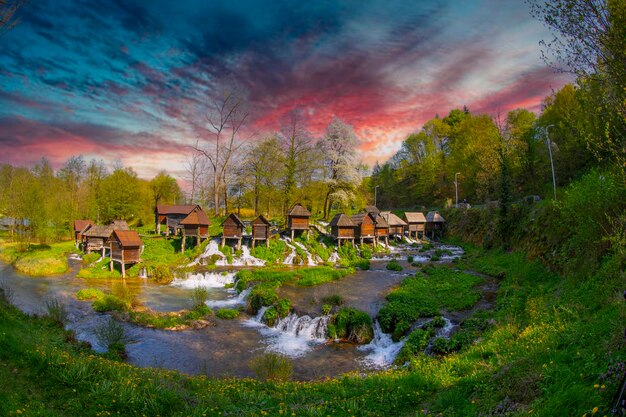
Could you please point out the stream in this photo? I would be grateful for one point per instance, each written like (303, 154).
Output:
(226, 348)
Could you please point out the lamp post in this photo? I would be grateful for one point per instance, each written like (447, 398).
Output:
(551, 161)
(456, 188)
(375, 189)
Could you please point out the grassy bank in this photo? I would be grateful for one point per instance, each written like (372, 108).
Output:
(38, 260)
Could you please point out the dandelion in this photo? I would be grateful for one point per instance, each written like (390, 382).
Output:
(594, 410)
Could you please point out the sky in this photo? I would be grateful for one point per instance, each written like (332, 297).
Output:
(130, 80)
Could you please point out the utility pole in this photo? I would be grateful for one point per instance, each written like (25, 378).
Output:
(551, 161)
(456, 188)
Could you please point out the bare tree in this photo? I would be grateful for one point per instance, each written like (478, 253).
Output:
(195, 170)
(8, 9)
(225, 118)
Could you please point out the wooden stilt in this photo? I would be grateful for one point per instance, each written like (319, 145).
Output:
(253, 240)
(292, 234)
(123, 270)
(239, 244)
(111, 265)
(182, 244)
(223, 241)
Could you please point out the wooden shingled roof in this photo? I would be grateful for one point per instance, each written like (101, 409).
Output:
(341, 220)
(415, 217)
(380, 221)
(261, 220)
(357, 219)
(175, 209)
(299, 211)
(372, 209)
(128, 238)
(119, 225)
(79, 225)
(196, 217)
(392, 219)
(234, 218)
(99, 231)
(434, 217)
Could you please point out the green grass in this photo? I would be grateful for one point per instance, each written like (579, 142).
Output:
(276, 252)
(168, 320)
(89, 294)
(227, 313)
(352, 325)
(39, 260)
(300, 276)
(426, 295)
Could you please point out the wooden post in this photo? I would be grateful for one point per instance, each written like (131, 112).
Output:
(239, 243)
(253, 240)
(292, 235)
(223, 241)
(267, 242)
(123, 266)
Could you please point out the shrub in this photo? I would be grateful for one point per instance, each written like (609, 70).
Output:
(56, 311)
(283, 307)
(162, 274)
(410, 259)
(90, 258)
(227, 313)
(366, 253)
(353, 325)
(89, 294)
(363, 264)
(443, 346)
(110, 303)
(326, 308)
(270, 317)
(393, 265)
(112, 336)
(124, 293)
(199, 296)
(272, 367)
(261, 295)
(416, 342)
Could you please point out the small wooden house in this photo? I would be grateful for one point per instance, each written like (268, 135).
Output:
(342, 228)
(434, 224)
(171, 216)
(396, 224)
(96, 238)
(381, 229)
(416, 224)
(233, 229)
(261, 230)
(298, 219)
(125, 248)
(195, 225)
(80, 226)
(364, 227)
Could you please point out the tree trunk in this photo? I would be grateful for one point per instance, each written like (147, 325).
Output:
(326, 198)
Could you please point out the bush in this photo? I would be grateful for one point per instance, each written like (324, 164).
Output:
(90, 258)
(199, 296)
(112, 336)
(89, 294)
(270, 317)
(56, 311)
(416, 342)
(353, 325)
(326, 308)
(261, 295)
(393, 265)
(274, 254)
(410, 259)
(162, 274)
(272, 367)
(443, 346)
(366, 253)
(227, 313)
(110, 303)
(283, 307)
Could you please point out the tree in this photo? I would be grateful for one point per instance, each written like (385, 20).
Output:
(72, 174)
(341, 165)
(590, 41)
(225, 118)
(164, 189)
(261, 170)
(120, 195)
(195, 170)
(298, 156)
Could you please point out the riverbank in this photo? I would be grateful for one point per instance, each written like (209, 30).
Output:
(38, 259)
(546, 352)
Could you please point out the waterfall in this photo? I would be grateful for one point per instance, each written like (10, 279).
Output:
(383, 350)
(334, 257)
(143, 273)
(246, 259)
(206, 280)
(289, 259)
(293, 335)
(445, 330)
(310, 260)
(237, 300)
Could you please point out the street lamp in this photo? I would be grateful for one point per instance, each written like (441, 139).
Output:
(456, 188)
(375, 188)
(551, 161)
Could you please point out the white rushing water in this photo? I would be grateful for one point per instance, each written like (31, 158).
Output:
(213, 249)
(445, 330)
(234, 301)
(246, 259)
(334, 257)
(289, 259)
(310, 260)
(293, 335)
(205, 279)
(383, 350)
